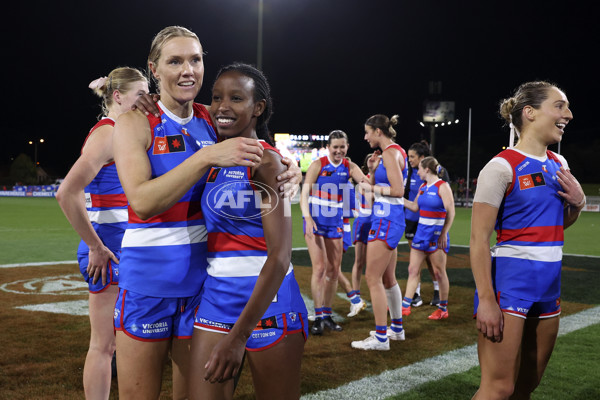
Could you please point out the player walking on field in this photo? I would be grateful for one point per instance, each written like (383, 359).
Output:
(387, 228)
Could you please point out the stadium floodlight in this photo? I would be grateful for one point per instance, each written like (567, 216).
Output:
(259, 41)
(35, 151)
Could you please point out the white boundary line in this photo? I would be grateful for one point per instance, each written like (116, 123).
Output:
(293, 249)
(37, 264)
(401, 380)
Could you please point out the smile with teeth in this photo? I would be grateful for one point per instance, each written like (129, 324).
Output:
(225, 121)
(561, 126)
(186, 84)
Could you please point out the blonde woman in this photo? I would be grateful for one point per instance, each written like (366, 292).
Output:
(93, 201)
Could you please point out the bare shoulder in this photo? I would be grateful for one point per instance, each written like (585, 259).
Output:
(270, 164)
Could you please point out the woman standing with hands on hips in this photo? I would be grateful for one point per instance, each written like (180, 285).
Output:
(529, 196)
(93, 201)
(435, 205)
(162, 161)
(387, 228)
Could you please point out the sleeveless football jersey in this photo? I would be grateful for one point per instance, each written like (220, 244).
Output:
(326, 196)
(388, 207)
(237, 249)
(165, 255)
(432, 213)
(106, 203)
(528, 255)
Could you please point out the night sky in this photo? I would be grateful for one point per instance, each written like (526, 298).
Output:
(331, 64)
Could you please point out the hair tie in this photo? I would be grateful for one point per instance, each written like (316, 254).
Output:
(438, 169)
(98, 83)
(513, 131)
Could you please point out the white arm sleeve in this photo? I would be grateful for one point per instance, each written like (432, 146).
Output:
(493, 181)
(562, 160)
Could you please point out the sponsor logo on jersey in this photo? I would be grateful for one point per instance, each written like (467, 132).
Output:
(531, 181)
(267, 323)
(168, 144)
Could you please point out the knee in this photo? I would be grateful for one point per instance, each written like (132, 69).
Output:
(372, 279)
(332, 274)
(318, 271)
(413, 270)
(500, 390)
(523, 390)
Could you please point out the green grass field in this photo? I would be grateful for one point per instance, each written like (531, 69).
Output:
(35, 230)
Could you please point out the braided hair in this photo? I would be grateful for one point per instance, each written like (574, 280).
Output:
(262, 91)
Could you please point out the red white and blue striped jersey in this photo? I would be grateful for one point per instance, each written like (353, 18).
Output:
(106, 203)
(326, 197)
(388, 207)
(165, 255)
(529, 228)
(237, 249)
(432, 213)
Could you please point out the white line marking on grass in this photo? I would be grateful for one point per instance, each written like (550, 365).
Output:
(76, 307)
(37, 264)
(401, 380)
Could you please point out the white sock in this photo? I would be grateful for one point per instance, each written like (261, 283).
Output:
(394, 298)
(436, 286)
(418, 291)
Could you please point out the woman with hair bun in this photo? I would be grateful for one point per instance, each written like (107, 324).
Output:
(100, 220)
(435, 205)
(387, 227)
(416, 153)
(529, 196)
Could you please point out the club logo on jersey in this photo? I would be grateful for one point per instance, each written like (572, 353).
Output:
(339, 230)
(212, 175)
(168, 144)
(326, 173)
(184, 131)
(544, 168)
(531, 181)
